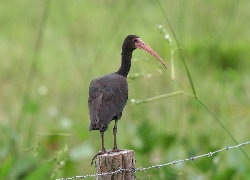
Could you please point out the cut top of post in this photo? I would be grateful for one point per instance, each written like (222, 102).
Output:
(116, 165)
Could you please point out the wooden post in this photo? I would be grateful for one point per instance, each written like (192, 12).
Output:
(113, 161)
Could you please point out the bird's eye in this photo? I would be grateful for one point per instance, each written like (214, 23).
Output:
(135, 40)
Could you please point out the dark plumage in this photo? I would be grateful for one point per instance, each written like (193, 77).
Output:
(108, 94)
(107, 98)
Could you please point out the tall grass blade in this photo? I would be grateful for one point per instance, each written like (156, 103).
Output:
(192, 85)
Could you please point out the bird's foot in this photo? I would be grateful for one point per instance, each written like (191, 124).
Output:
(99, 153)
(115, 149)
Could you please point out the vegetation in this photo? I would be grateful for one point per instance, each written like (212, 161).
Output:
(51, 50)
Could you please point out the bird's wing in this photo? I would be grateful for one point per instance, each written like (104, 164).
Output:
(101, 106)
(107, 99)
(120, 96)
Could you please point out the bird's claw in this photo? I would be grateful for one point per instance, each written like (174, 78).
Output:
(99, 153)
(105, 152)
(117, 150)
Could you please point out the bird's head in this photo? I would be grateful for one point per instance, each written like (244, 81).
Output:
(132, 42)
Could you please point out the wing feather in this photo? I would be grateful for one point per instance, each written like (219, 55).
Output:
(107, 97)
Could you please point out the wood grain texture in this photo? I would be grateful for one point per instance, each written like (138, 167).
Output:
(124, 159)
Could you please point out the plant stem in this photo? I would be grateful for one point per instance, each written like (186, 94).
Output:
(163, 96)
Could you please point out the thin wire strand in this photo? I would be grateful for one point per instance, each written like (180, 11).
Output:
(191, 80)
(210, 154)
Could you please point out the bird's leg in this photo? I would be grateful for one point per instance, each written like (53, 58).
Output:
(115, 149)
(103, 151)
(103, 148)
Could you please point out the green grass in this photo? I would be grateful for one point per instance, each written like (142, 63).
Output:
(44, 116)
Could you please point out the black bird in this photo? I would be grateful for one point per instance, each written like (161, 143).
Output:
(108, 94)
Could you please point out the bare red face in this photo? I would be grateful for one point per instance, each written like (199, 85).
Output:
(141, 45)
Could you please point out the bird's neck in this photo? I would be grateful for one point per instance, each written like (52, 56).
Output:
(125, 63)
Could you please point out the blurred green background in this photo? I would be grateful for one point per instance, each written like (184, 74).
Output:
(51, 50)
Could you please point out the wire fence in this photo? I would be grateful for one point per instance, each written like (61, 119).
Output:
(119, 170)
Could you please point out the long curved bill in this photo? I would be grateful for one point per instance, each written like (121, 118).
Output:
(141, 45)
